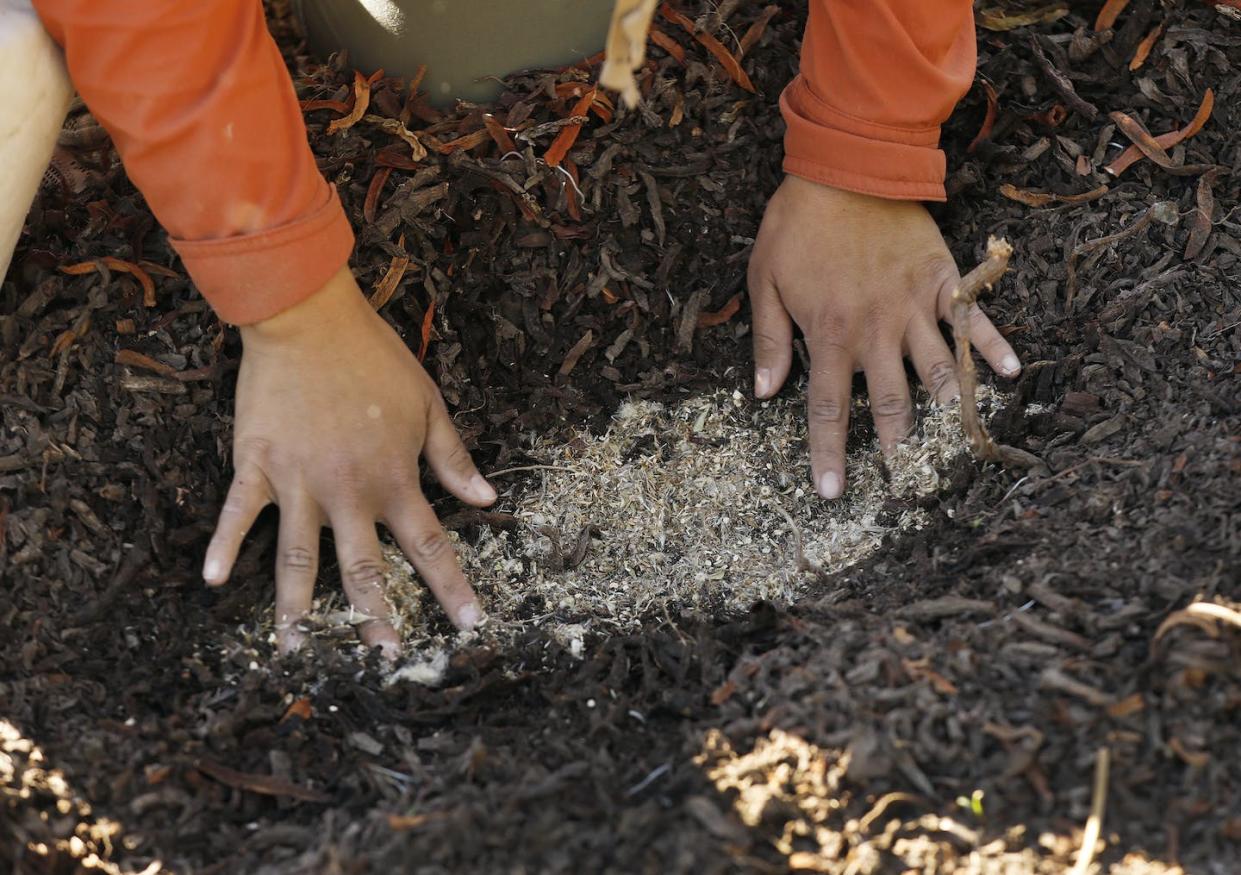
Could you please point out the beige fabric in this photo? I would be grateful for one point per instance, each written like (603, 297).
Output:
(36, 97)
(626, 47)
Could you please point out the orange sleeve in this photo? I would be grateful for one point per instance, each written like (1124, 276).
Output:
(878, 78)
(201, 108)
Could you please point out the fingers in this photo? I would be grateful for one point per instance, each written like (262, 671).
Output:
(362, 569)
(991, 345)
(297, 566)
(450, 460)
(773, 338)
(827, 411)
(890, 406)
(933, 360)
(247, 496)
(424, 541)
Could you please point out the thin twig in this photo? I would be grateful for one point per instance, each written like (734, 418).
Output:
(964, 296)
(1094, 823)
(522, 468)
(1162, 210)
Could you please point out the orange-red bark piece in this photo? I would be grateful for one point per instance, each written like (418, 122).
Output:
(373, 191)
(143, 278)
(426, 330)
(361, 100)
(1134, 154)
(499, 134)
(993, 105)
(722, 315)
(564, 141)
(1143, 50)
(1109, 13)
(726, 58)
(668, 44)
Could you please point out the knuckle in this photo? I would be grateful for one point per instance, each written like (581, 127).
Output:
(431, 546)
(297, 559)
(826, 410)
(889, 404)
(765, 344)
(458, 459)
(405, 476)
(368, 572)
(253, 450)
(830, 330)
(348, 474)
(941, 376)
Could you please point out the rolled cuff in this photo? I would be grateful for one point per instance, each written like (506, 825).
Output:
(253, 277)
(827, 146)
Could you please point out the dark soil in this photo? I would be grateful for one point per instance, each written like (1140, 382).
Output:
(998, 650)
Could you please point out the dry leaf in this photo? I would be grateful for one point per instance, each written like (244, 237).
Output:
(668, 44)
(1200, 230)
(427, 321)
(988, 122)
(722, 315)
(1150, 147)
(999, 19)
(568, 135)
(626, 47)
(1144, 48)
(726, 58)
(143, 278)
(499, 134)
(756, 30)
(134, 359)
(387, 286)
(1133, 154)
(372, 193)
(1109, 13)
(361, 100)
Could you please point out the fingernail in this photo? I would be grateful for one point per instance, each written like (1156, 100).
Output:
(762, 382)
(212, 569)
(469, 616)
(1010, 365)
(481, 488)
(829, 485)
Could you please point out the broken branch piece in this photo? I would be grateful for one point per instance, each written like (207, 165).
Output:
(964, 296)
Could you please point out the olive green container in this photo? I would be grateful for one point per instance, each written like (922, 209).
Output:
(463, 42)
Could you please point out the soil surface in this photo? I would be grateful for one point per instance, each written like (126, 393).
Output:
(939, 707)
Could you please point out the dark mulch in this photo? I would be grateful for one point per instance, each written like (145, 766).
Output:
(995, 651)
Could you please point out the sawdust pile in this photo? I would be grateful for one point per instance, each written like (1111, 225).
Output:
(702, 507)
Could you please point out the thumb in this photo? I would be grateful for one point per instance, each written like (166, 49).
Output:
(773, 338)
(450, 460)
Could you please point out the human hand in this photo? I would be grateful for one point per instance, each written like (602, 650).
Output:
(332, 413)
(867, 280)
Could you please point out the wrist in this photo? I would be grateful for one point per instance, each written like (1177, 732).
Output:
(337, 302)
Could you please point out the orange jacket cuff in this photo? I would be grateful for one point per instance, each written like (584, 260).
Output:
(827, 146)
(252, 277)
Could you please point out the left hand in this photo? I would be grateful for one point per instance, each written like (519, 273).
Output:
(867, 280)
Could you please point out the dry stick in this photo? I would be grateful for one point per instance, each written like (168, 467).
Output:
(964, 297)
(1094, 823)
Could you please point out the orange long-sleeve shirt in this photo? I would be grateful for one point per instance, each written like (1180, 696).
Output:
(201, 109)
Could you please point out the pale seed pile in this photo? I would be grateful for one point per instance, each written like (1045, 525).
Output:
(702, 507)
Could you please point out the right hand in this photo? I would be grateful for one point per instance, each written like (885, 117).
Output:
(332, 413)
